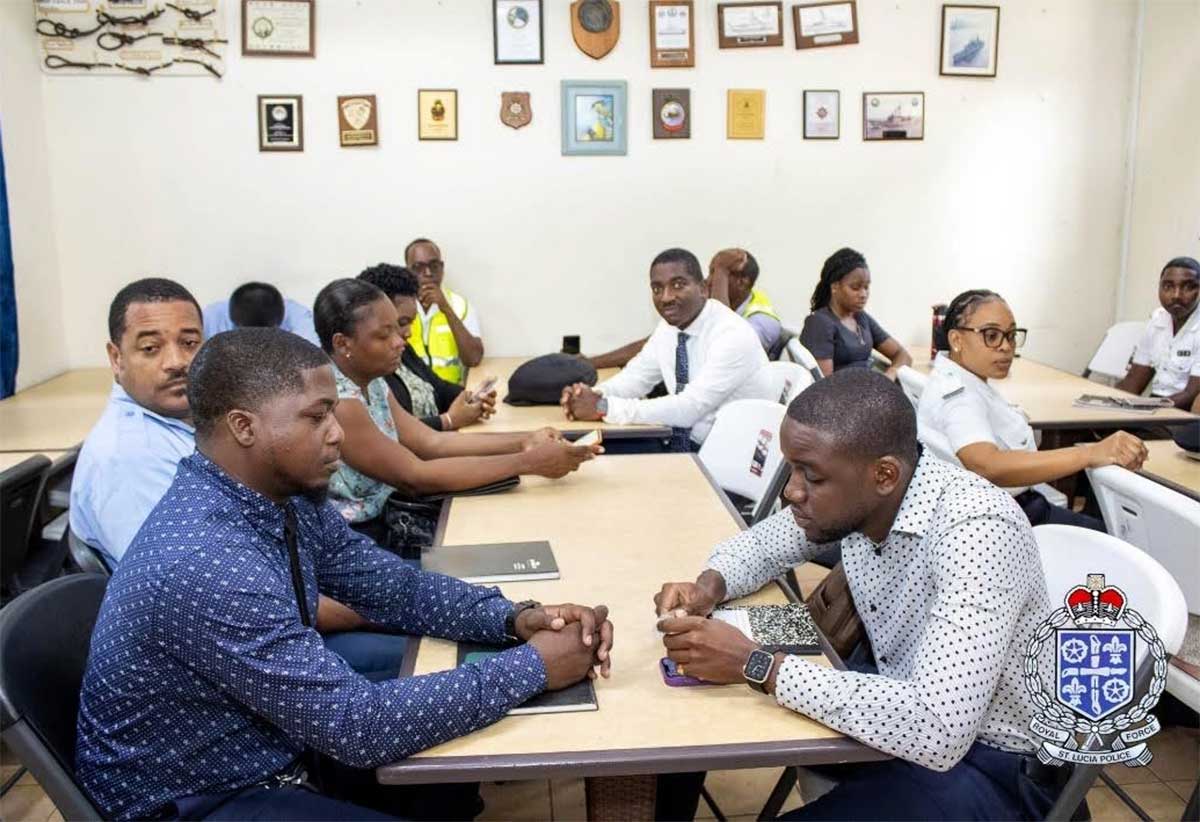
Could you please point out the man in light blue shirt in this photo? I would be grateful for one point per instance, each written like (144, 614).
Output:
(259, 305)
(128, 460)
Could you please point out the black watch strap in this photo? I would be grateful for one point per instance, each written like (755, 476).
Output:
(510, 621)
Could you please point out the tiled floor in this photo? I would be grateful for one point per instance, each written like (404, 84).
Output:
(1162, 789)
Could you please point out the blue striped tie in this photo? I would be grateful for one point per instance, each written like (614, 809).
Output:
(681, 439)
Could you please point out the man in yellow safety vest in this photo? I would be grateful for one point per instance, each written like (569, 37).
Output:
(446, 333)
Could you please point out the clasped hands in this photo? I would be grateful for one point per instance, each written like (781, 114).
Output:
(573, 641)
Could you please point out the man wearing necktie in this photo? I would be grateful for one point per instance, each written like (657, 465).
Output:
(702, 350)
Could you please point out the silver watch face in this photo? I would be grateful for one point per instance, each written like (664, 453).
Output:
(758, 666)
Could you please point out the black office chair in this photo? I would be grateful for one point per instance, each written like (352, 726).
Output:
(20, 490)
(44, 639)
(84, 557)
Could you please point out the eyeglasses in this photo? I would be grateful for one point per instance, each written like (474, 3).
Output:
(995, 337)
(431, 267)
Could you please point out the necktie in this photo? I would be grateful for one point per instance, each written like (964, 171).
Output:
(681, 439)
(289, 536)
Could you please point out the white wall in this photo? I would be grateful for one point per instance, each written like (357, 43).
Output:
(1165, 218)
(35, 255)
(1019, 184)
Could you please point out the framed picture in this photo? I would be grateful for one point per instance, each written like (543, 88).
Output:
(825, 24)
(278, 28)
(970, 40)
(671, 113)
(517, 32)
(593, 117)
(358, 121)
(822, 114)
(894, 115)
(747, 25)
(672, 33)
(437, 114)
(746, 114)
(280, 122)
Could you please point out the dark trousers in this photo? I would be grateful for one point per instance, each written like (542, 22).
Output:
(1041, 512)
(986, 784)
(290, 802)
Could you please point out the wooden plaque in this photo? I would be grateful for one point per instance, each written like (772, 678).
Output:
(671, 112)
(358, 120)
(667, 46)
(749, 25)
(825, 24)
(596, 26)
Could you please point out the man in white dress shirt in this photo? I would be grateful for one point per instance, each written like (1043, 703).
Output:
(944, 572)
(1167, 357)
(703, 352)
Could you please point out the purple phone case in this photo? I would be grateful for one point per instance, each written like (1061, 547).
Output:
(675, 680)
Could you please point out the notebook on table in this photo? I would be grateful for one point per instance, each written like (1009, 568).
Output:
(495, 562)
(1134, 405)
(579, 697)
(785, 628)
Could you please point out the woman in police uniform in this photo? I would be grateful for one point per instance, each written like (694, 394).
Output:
(987, 435)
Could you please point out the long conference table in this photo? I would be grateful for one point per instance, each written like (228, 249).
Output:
(619, 527)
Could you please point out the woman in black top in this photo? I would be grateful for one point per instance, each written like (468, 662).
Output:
(838, 332)
(442, 405)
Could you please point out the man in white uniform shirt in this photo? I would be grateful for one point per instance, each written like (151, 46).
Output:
(1167, 357)
(944, 572)
(703, 352)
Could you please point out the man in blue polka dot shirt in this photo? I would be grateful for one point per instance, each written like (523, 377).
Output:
(206, 682)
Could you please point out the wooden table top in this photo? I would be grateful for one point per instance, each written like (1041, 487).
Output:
(1169, 465)
(57, 414)
(617, 531)
(10, 458)
(1045, 394)
(519, 419)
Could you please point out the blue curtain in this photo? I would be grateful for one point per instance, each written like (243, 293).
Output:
(8, 295)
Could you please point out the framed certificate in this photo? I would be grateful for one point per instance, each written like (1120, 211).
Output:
(672, 35)
(358, 121)
(671, 109)
(746, 114)
(894, 115)
(825, 24)
(747, 25)
(970, 40)
(278, 28)
(822, 115)
(280, 122)
(517, 31)
(437, 114)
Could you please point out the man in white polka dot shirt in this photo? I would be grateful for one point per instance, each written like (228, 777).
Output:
(945, 574)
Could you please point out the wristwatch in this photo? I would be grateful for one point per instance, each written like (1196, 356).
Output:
(510, 621)
(757, 669)
(602, 406)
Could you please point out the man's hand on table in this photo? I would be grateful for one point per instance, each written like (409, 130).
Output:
(697, 598)
(707, 649)
(579, 402)
(560, 633)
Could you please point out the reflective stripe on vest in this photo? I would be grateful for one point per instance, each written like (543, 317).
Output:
(435, 343)
(759, 303)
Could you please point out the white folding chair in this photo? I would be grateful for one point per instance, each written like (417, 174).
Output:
(913, 383)
(742, 454)
(1163, 523)
(787, 380)
(798, 353)
(1068, 555)
(1116, 350)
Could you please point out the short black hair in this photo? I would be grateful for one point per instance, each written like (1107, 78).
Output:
(681, 255)
(750, 269)
(837, 265)
(959, 310)
(393, 280)
(336, 308)
(256, 305)
(408, 248)
(1189, 263)
(864, 412)
(149, 290)
(245, 367)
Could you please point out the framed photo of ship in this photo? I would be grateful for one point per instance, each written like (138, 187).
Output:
(894, 115)
(970, 40)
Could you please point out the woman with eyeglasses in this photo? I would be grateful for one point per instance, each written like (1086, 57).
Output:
(983, 431)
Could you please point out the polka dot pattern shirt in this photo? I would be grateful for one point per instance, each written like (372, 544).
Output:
(202, 679)
(949, 599)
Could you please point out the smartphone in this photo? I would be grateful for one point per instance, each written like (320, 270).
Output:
(484, 388)
(593, 438)
(671, 675)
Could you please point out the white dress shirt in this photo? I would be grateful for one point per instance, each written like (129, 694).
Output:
(725, 362)
(949, 599)
(965, 410)
(471, 322)
(1174, 357)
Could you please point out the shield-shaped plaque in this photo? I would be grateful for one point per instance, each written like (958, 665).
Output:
(357, 119)
(595, 25)
(1095, 670)
(514, 109)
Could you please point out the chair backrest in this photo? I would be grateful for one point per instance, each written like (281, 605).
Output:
(1163, 523)
(1069, 554)
(913, 383)
(85, 557)
(741, 452)
(787, 380)
(799, 354)
(45, 635)
(58, 479)
(1116, 350)
(20, 490)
